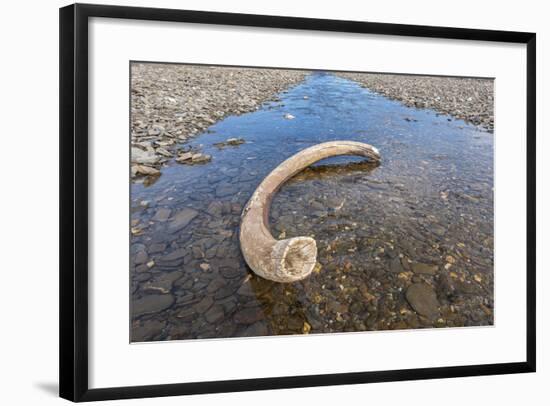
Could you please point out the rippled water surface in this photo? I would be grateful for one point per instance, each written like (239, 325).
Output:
(422, 218)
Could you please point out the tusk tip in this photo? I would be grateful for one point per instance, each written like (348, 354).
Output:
(295, 258)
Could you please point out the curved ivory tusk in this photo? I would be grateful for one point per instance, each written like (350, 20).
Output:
(291, 259)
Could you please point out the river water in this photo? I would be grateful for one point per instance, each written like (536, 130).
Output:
(406, 244)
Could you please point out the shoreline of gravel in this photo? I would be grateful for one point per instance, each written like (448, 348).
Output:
(172, 103)
(469, 99)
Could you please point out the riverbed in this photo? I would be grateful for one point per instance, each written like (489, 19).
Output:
(404, 244)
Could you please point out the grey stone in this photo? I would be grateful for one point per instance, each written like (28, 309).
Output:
(215, 285)
(142, 277)
(201, 158)
(214, 314)
(174, 258)
(162, 283)
(204, 305)
(140, 258)
(162, 214)
(147, 330)
(224, 292)
(224, 190)
(140, 156)
(215, 209)
(186, 156)
(151, 304)
(156, 248)
(182, 219)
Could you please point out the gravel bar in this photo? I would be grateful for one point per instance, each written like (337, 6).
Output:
(171, 103)
(469, 99)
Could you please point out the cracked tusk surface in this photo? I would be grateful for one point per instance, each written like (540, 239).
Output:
(291, 259)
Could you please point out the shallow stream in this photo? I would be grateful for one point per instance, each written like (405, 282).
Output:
(423, 217)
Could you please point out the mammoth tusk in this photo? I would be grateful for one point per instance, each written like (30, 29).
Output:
(294, 258)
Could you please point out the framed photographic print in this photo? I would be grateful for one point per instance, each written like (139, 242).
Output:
(256, 202)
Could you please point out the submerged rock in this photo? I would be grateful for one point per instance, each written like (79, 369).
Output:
(162, 214)
(147, 330)
(419, 267)
(181, 219)
(214, 314)
(151, 304)
(248, 315)
(423, 299)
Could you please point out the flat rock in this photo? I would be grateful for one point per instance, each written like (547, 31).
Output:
(142, 276)
(419, 267)
(230, 141)
(174, 258)
(214, 314)
(201, 158)
(144, 170)
(395, 265)
(151, 304)
(163, 152)
(204, 305)
(140, 258)
(140, 156)
(162, 283)
(187, 314)
(156, 248)
(423, 299)
(186, 156)
(225, 190)
(147, 330)
(215, 285)
(181, 219)
(162, 214)
(225, 291)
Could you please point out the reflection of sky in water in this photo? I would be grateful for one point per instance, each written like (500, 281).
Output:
(337, 108)
(432, 191)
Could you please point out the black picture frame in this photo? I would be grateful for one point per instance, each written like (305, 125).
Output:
(73, 180)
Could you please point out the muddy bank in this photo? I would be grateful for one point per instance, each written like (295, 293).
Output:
(172, 103)
(468, 99)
